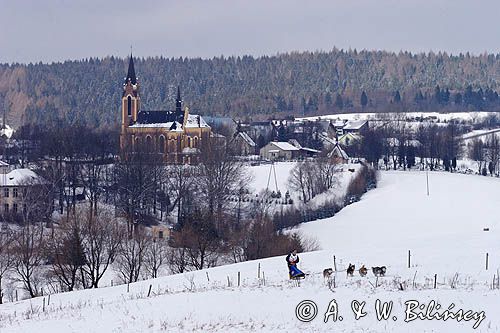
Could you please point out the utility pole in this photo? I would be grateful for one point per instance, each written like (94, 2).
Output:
(427, 178)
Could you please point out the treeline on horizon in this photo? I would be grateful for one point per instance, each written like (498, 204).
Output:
(292, 84)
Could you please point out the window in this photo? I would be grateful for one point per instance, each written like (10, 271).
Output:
(15, 192)
(6, 192)
(160, 234)
(149, 143)
(129, 106)
(137, 144)
(14, 208)
(161, 144)
(6, 208)
(189, 143)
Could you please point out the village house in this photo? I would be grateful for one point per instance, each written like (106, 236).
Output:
(242, 144)
(338, 155)
(23, 194)
(279, 151)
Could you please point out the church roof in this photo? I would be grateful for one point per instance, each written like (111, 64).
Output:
(131, 71)
(166, 119)
(195, 121)
(161, 116)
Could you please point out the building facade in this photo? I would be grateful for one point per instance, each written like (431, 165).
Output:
(24, 196)
(175, 135)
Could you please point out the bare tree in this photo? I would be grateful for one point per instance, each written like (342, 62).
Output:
(493, 152)
(139, 178)
(199, 239)
(155, 257)
(28, 250)
(6, 256)
(476, 153)
(311, 178)
(180, 183)
(220, 176)
(67, 255)
(102, 236)
(130, 259)
(178, 259)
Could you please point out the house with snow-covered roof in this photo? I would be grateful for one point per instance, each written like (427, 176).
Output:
(275, 150)
(23, 193)
(338, 155)
(242, 144)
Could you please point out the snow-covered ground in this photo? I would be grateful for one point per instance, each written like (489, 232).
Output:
(482, 134)
(265, 177)
(443, 230)
(435, 116)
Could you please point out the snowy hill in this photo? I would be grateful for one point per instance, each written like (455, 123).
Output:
(444, 232)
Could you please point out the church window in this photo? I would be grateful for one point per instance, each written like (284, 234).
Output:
(129, 106)
(137, 143)
(161, 144)
(149, 143)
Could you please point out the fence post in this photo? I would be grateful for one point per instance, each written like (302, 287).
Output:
(128, 287)
(409, 258)
(258, 272)
(435, 280)
(43, 308)
(149, 291)
(238, 279)
(208, 279)
(228, 284)
(335, 263)
(487, 260)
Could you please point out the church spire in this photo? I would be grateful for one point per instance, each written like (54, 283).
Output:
(131, 71)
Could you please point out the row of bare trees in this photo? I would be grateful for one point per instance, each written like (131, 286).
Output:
(486, 152)
(310, 178)
(78, 253)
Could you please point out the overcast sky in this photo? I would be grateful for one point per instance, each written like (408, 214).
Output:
(56, 30)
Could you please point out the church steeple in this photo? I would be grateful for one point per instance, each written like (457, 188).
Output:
(130, 97)
(131, 72)
(178, 101)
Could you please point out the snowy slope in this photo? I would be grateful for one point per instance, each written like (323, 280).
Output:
(444, 232)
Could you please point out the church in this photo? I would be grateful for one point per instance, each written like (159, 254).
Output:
(175, 135)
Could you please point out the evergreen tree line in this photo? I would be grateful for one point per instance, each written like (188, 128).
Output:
(306, 83)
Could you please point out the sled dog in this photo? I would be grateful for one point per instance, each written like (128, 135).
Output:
(327, 272)
(363, 271)
(350, 270)
(379, 271)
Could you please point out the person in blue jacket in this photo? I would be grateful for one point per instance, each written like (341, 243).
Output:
(292, 259)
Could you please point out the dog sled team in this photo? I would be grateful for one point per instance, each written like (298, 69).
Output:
(363, 271)
(292, 259)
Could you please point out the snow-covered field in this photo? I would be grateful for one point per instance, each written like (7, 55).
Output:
(444, 232)
(438, 117)
(481, 134)
(265, 177)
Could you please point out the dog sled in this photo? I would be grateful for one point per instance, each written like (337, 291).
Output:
(296, 274)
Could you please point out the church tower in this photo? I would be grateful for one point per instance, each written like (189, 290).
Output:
(130, 97)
